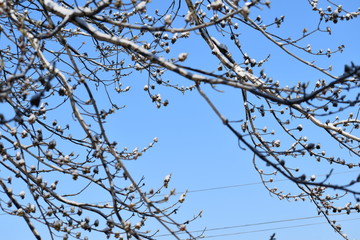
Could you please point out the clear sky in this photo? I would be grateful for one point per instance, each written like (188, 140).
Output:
(204, 157)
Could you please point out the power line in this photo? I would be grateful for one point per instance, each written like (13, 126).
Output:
(233, 186)
(277, 228)
(259, 223)
(230, 186)
(238, 185)
(254, 183)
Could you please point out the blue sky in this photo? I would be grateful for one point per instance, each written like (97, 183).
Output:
(204, 157)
